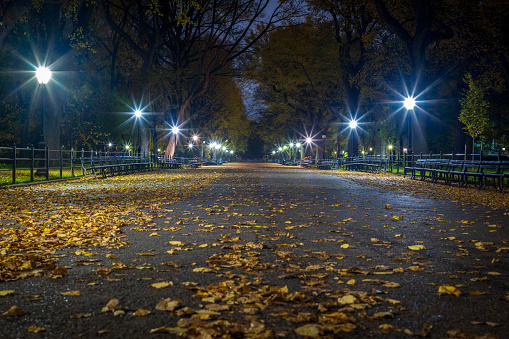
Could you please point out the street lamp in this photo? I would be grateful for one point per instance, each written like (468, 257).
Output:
(175, 131)
(409, 104)
(353, 142)
(43, 75)
(137, 115)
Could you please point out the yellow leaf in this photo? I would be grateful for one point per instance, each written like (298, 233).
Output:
(391, 284)
(168, 304)
(172, 330)
(71, 293)
(448, 289)
(203, 270)
(204, 245)
(351, 282)
(35, 329)
(14, 310)
(6, 292)
(162, 284)
(416, 247)
(154, 234)
(345, 246)
(310, 330)
(146, 254)
(347, 299)
(478, 293)
(494, 273)
(395, 218)
(141, 312)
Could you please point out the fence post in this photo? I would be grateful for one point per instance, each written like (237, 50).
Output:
(82, 159)
(46, 149)
(32, 162)
(14, 164)
(72, 162)
(61, 161)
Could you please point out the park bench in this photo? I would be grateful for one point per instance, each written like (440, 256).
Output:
(193, 163)
(171, 164)
(327, 164)
(366, 164)
(463, 172)
(113, 165)
(305, 163)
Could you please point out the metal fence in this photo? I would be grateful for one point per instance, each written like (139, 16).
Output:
(28, 164)
(32, 164)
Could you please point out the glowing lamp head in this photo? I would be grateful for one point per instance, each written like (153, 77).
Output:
(298, 145)
(137, 113)
(280, 149)
(273, 152)
(43, 75)
(291, 144)
(352, 124)
(195, 137)
(127, 147)
(175, 130)
(309, 140)
(390, 146)
(218, 146)
(409, 103)
(190, 145)
(110, 144)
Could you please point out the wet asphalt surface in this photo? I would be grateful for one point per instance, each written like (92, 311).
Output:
(294, 222)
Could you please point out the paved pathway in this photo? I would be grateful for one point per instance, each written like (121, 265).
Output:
(266, 250)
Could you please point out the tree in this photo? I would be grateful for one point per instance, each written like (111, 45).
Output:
(474, 109)
(417, 26)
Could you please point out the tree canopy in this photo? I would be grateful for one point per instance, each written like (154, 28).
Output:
(307, 67)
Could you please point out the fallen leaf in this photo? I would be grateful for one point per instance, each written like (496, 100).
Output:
(71, 293)
(6, 292)
(171, 330)
(310, 330)
(15, 310)
(347, 299)
(391, 284)
(203, 270)
(141, 312)
(34, 329)
(168, 304)
(163, 284)
(416, 247)
(111, 306)
(448, 289)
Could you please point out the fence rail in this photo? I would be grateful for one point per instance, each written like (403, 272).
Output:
(29, 164)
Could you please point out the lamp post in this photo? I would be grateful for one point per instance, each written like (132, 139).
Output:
(409, 104)
(353, 142)
(137, 115)
(43, 75)
(175, 131)
(299, 148)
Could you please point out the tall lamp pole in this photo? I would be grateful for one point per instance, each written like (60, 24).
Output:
(138, 114)
(43, 75)
(354, 142)
(175, 130)
(409, 104)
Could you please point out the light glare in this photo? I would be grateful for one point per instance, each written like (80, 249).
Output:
(43, 74)
(409, 103)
